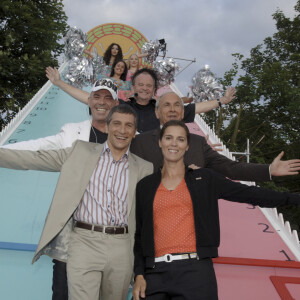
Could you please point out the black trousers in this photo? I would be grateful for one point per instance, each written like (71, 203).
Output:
(59, 283)
(189, 279)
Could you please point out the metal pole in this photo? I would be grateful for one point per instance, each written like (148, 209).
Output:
(192, 60)
(246, 153)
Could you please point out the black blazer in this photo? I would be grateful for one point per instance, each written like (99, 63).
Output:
(205, 187)
(145, 145)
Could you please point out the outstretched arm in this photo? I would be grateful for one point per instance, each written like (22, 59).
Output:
(205, 106)
(237, 192)
(284, 167)
(89, 54)
(53, 75)
(44, 160)
(63, 139)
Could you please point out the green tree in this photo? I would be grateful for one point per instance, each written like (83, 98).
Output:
(30, 32)
(267, 105)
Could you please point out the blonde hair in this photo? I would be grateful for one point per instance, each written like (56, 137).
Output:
(128, 61)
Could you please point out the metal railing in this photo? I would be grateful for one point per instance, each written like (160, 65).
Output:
(283, 228)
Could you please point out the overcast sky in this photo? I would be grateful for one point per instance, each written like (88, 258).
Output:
(209, 31)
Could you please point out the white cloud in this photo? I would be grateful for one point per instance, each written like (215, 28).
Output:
(209, 31)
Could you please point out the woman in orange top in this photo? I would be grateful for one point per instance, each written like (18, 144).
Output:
(177, 222)
(174, 229)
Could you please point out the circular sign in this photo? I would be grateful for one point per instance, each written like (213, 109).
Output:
(130, 39)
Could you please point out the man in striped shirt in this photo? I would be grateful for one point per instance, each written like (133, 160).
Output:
(102, 98)
(104, 202)
(97, 189)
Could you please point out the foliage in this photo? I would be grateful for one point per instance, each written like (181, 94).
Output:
(29, 41)
(267, 105)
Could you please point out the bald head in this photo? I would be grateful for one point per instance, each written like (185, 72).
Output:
(169, 106)
(167, 94)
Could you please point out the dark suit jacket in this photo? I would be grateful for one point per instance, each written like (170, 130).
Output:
(205, 187)
(145, 145)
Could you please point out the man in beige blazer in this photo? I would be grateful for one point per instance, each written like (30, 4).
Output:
(99, 263)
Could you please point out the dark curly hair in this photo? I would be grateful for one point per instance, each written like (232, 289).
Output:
(107, 54)
(112, 73)
(150, 72)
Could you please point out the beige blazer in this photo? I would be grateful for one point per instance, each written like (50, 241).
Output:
(76, 165)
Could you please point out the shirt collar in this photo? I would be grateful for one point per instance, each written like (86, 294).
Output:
(106, 149)
(133, 100)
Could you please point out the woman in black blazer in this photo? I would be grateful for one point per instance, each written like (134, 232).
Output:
(185, 274)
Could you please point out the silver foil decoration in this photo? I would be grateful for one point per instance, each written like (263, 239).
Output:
(152, 48)
(205, 85)
(82, 71)
(79, 72)
(165, 70)
(98, 64)
(75, 42)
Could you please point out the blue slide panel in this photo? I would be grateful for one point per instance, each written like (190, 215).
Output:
(25, 200)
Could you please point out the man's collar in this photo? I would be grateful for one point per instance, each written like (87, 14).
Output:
(133, 100)
(107, 149)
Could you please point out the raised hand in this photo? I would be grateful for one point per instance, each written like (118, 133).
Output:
(228, 96)
(284, 167)
(53, 75)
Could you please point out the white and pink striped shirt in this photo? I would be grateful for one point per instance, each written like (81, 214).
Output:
(104, 201)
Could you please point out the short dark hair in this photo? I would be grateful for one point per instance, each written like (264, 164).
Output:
(123, 109)
(124, 74)
(175, 123)
(150, 72)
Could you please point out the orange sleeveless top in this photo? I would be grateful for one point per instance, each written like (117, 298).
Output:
(173, 219)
